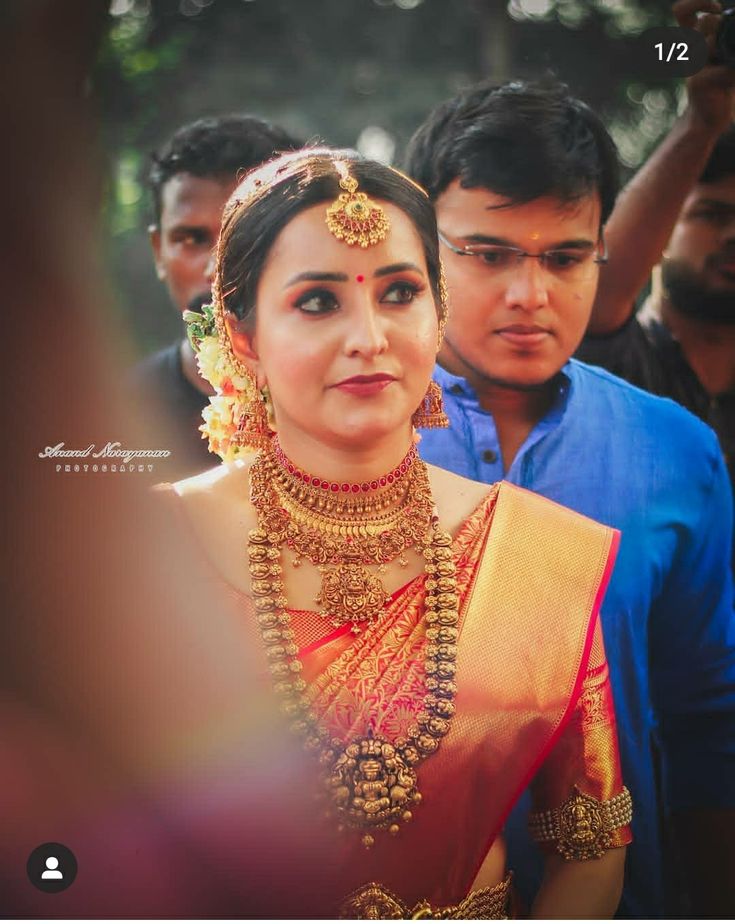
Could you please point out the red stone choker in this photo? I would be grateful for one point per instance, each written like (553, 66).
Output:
(378, 493)
(345, 487)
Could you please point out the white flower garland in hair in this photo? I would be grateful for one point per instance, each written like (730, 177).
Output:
(235, 390)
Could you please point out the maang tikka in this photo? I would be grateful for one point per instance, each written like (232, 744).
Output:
(352, 217)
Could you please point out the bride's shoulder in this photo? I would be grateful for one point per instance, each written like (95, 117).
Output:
(217, 509)
(225, 481)
(456, 497)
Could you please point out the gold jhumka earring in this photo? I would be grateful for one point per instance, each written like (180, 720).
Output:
(430, 414)
(254, 426)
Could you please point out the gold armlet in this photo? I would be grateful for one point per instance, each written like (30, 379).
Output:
(581, 827)
(374, 902)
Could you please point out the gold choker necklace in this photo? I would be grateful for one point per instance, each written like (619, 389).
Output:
(371, 781)
(342, 499)
(343, 544)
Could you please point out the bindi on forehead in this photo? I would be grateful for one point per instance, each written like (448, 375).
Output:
(359, 278)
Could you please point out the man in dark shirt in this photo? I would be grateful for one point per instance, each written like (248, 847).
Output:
(680, 204)
(682, 343)
(191, 179)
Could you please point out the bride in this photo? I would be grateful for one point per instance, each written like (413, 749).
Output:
(433, 645)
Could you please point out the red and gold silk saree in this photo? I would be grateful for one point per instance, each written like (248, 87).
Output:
(533, 701)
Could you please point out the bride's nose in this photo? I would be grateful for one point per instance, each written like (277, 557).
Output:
(366, 333)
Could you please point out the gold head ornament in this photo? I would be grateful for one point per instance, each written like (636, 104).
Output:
(353, 218)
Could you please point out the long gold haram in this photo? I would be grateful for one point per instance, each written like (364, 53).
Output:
(342, 546)
(371, 781)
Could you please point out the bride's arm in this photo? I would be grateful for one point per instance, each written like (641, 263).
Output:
(580, 888)
(582, 812)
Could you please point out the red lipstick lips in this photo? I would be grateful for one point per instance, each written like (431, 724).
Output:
(366, 385)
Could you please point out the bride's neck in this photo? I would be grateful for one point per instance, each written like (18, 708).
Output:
(355, 462)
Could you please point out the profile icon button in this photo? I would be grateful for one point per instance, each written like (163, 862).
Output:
(52, 867)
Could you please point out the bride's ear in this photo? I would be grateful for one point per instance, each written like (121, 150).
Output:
(242, 338)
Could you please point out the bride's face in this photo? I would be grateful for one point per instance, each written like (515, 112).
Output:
(344, 337)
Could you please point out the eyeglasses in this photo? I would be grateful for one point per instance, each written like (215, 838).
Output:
(569, 264)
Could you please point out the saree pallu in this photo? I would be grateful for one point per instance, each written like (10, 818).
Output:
(533, 701)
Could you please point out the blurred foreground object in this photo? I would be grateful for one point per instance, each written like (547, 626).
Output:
(118, 738)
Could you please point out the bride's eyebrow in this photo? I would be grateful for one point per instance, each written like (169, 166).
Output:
(397, 268)
(316, 277)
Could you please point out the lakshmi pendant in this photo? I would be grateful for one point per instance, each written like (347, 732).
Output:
(373, 785)
(350, 594)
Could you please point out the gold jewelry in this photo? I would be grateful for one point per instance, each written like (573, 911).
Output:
(223, 337)
(352, 217)
(371, 780)
(581, 827)
(253, 427)
(430, 414)
(443, 304)
(270, 414)
(343, 499)
(373, 902)
(351, 594)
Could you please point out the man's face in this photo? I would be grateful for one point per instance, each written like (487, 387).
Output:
(191, 214)
(516, 324)
(699, 264)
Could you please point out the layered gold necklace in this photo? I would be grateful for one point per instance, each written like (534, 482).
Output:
(371, 781)
(344, 529)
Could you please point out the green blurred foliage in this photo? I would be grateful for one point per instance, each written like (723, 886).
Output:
(329, 69)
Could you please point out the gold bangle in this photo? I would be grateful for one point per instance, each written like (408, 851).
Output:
(581, 827)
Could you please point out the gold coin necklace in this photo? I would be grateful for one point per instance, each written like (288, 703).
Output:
(370, 781)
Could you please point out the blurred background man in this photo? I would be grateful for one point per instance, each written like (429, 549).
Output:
(191, 179)
(680, 206)
(681, 344)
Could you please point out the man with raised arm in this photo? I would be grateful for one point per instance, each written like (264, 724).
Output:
(680, 206)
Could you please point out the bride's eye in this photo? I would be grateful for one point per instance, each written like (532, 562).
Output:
(317, 301)
(401, 293)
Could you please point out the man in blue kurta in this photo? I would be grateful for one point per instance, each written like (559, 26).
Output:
(524, 178)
